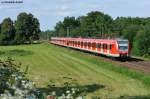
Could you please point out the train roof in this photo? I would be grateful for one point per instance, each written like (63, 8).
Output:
(89, 40)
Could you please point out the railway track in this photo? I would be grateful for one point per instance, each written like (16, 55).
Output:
(139, 66)
(131, 63)
(135, 64)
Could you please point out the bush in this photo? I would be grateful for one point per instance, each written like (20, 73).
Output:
(15, 85)
(13, 82)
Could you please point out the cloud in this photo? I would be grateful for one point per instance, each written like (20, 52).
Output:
(9, 6)
(63, 8)
(63, 14)
(65, 1)
(92, 6)
(51, 11)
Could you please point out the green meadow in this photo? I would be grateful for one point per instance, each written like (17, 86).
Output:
(49, 62)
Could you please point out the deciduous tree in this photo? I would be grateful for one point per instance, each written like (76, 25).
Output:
(7, 32)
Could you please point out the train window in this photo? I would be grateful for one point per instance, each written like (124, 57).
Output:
(89, 44)
(110, 47)
(104, 46)
(81, 43)
(123, 48)
(98, 45)
(93, 44)
(78, 42)
(85, 44)
(123, 42)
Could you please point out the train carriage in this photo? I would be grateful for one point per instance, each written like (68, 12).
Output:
(108, 47)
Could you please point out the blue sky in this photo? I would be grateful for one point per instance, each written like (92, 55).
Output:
(51, 11)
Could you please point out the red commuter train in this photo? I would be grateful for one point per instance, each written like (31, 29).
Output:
(109, 47)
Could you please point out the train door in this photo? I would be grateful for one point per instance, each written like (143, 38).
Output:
(67, 42)
(89, 45)
(63, 42)
(105, 48)
(71, 43)
(98, 47)
(85, 45)
(94, 46)
(112, 49)
(78, 43)
(74, 43)
(82, 44)
(109, 48)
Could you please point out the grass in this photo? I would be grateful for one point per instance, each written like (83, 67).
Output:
(53, 63)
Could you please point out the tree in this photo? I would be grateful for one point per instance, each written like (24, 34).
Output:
(93, 25)
(66, 27)
(130, 32)
(119, 24)
(21, 26)
(7, 32)
(46, 35)
(60, 29)
(70, 22)
(36, 29)
(27, 28)
(142, 46)
(0, 28)
(96, 24)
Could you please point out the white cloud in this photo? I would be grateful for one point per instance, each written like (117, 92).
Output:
(92, 6)
(63, 9)
(63, 14)
(9, 6)
(65, 1)
(51, 11)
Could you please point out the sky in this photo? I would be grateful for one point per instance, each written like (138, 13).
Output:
(49, 12)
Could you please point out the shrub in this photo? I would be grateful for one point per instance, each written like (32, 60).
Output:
(13, 82)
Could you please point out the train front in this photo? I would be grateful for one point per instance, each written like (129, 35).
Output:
(123, 48)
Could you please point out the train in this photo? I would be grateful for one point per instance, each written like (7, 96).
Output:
(117, 48)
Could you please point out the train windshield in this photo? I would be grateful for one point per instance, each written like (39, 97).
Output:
(123, 42)
(123, 45)
(123, 48)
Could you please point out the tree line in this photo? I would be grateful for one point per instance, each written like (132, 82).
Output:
(100, 25)
(25, 29)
